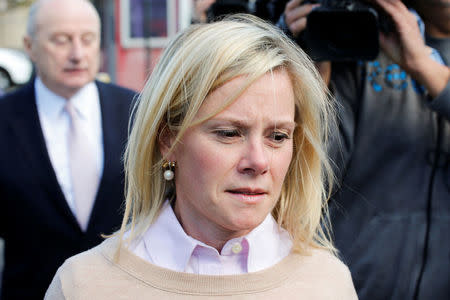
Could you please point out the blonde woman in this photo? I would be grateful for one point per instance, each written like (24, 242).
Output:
(225, 171)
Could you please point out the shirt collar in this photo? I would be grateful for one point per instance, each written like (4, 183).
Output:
(267, 243)
(85, 101)
(175, 249)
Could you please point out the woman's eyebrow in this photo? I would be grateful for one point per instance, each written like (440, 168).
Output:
(244, 124)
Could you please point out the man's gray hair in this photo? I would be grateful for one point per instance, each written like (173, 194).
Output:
(31, 23)
(32, 13)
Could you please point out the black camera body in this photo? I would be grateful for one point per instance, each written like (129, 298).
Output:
(341, 30)
(269, 10)
(221, 8)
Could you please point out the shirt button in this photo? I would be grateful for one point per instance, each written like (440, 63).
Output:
(237, 248)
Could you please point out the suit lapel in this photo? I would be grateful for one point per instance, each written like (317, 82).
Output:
(110, 136)
(112, 149)
(27, 128)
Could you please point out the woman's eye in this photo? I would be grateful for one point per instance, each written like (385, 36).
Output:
(279, 137)
(227, 133)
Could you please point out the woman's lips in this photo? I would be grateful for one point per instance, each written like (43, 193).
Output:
(249, 196)
(246, 193)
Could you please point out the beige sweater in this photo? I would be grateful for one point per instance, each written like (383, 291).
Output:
(94, 275)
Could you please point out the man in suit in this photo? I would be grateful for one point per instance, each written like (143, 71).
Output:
(62, 137)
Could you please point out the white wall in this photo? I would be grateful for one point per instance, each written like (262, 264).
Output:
(13, 27)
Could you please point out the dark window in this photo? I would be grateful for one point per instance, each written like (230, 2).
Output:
(148, 18)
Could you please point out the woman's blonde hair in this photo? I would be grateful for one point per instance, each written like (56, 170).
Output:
(196, 62)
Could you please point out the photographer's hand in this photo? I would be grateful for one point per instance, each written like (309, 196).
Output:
(407, 48)
(295, 14)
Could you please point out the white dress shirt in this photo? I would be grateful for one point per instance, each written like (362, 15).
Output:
(166, 245)
(55, 124)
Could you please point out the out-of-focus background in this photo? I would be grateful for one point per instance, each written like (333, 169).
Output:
(133, 34)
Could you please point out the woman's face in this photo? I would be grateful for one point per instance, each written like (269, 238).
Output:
(230, 168)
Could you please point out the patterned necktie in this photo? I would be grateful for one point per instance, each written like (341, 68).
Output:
(83, 168)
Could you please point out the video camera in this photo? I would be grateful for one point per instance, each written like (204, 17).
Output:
(269, 10)
(221, 8)
(341, 30)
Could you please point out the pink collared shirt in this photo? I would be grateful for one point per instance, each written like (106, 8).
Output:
(166, 245)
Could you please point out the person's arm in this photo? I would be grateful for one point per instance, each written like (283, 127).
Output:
(407, 48)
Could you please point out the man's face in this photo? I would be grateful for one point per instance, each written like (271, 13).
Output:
(66, 46)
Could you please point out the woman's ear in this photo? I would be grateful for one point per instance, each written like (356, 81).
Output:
(165, 140)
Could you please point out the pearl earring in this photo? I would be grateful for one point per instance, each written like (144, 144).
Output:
(169, 167)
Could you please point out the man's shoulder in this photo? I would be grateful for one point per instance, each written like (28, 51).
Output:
(16, 99)
(21, 92)
(119, 92)
(116, 101)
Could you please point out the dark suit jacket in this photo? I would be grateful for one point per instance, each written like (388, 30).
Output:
(38, 227)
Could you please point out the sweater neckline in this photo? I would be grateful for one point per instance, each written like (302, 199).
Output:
(194, 284)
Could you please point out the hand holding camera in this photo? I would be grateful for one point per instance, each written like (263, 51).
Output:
(407, 48)
(295, 15)
(405, 45)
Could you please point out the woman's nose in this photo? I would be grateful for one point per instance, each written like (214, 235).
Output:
(255, 159)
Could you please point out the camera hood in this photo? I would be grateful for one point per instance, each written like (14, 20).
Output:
(340, 34)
